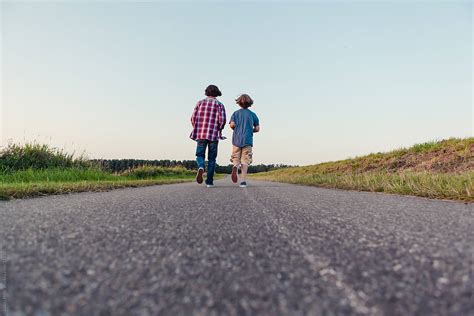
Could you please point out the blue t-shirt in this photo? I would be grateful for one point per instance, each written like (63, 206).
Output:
(245, 120)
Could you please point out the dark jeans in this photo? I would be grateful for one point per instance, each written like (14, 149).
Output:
(211, 157)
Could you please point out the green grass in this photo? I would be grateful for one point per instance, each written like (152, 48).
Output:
(32, 189)
(91, 174)
(38, 156)
(443, 170)
(149, 172)
(35, 169)
(37, 182)
(56, 175)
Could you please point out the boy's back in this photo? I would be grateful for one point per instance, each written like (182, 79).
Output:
(245, 121)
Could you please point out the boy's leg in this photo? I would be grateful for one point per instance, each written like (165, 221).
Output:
(246, 161)
(243, 171)
(235, 159)
(201, 153)
(200, 158)
(211, 165)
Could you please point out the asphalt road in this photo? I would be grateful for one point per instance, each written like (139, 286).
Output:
(269, 249)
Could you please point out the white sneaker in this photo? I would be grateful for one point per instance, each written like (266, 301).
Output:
(209, 185)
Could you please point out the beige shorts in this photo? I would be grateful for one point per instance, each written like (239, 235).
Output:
(241, 155)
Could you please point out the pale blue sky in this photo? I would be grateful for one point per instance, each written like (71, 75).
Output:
(329, 80)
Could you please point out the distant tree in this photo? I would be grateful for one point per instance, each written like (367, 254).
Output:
(120, 165)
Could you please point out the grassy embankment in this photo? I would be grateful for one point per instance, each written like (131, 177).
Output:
(442, 170)
(35, 170)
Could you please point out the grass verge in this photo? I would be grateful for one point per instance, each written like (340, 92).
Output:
(33, 189)
(33, 183)
(424, 184)
(37, 182)
(56, 175)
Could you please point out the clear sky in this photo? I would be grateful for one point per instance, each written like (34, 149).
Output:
(329, 80)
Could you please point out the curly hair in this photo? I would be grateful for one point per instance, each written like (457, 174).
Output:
(244, 100)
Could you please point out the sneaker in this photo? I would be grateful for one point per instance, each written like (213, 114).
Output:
(234, 174)
(243, 184)
(209, 185)
(199, 175)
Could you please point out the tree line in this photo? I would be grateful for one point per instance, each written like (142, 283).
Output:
(120, 165)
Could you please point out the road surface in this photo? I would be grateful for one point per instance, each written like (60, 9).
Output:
(269, 249)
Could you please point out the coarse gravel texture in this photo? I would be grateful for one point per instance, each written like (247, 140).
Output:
(268, 249)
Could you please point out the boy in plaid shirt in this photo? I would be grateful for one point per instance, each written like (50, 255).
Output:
(208, 120)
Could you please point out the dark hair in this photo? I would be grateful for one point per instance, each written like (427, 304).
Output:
(213, 91)
(244, 100)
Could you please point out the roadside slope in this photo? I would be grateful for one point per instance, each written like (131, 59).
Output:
(443, 169)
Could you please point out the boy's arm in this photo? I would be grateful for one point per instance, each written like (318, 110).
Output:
(256, 123)
(232, 121)
(193, 117)
(222, 117)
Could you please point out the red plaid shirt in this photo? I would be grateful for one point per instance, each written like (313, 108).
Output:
(208, 120)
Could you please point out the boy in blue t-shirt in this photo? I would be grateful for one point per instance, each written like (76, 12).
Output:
(244, 123)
